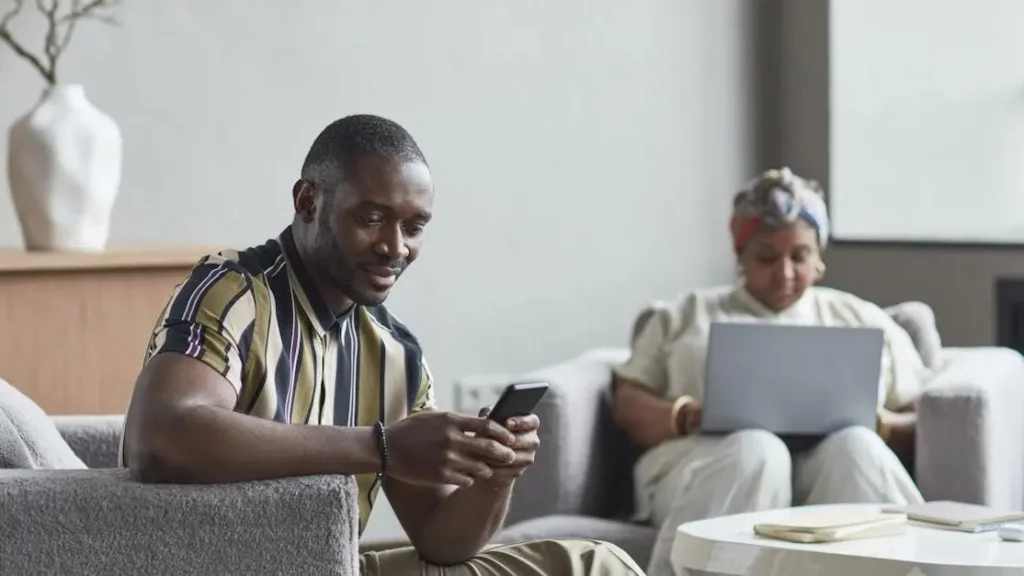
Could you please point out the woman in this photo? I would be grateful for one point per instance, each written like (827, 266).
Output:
(779, 229)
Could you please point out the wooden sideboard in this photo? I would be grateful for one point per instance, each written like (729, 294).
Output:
(74, 326)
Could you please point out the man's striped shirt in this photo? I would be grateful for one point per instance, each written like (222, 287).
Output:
(255, 317)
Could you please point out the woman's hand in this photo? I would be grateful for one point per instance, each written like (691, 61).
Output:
(901, 429)
(688, 419)
(647, 418)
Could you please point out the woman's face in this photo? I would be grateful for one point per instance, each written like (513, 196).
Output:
(780, 263)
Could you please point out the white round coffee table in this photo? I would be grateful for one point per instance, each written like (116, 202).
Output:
(727, 545)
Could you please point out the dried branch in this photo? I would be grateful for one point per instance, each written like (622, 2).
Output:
(59, 29)
(10, 14)
(50, 46)
(89, 10)
(19, 49)
(69, 29)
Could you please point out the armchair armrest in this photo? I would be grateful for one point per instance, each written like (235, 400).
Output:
(970, 431)
(103, 522)
(95, 439)
(572, 473)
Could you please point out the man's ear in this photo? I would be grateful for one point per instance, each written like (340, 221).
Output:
(304, 199)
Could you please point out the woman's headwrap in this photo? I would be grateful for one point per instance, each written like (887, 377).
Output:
(778, 198)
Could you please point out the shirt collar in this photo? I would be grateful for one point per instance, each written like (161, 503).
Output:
(309, 297)
(796, 311)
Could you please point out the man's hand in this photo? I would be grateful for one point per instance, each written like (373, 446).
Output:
(524, 429)
(437, 448)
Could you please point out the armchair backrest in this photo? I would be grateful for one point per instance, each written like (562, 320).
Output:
(918, 319)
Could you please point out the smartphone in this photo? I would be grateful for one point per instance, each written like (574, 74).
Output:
(518, 399)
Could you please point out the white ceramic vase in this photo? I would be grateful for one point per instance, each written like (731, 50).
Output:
(64, 165)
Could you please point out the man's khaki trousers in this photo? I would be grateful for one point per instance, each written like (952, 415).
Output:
(536, 558)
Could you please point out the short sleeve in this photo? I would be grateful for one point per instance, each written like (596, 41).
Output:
(425, 394)
(209, 318)
(648, 362)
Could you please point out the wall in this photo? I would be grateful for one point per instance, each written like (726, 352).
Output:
(918, 121)
(958, 282)
(584, 151)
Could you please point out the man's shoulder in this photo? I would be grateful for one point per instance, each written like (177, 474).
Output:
(252, 262)
(218, 282)
(237, 265)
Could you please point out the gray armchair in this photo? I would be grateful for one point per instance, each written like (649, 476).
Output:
(970, 442)
(99, 521)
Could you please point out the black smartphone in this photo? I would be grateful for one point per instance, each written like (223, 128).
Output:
(518, 399)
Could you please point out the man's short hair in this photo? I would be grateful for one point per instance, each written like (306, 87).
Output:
(346, 140)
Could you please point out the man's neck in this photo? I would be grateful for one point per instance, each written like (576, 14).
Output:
(334, 298)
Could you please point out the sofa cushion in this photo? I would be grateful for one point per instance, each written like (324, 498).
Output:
(95, 439)
(918, 319)
(28, 438)
(637, 540)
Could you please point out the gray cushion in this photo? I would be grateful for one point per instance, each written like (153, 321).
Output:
(95, 439)
(637, 540)
(28, 438)
(918, 319)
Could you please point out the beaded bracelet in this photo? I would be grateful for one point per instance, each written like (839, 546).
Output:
(382, 444)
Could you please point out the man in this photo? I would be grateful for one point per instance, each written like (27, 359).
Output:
(280, 360)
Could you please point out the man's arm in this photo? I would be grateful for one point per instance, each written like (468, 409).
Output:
(181, 428)
(449, 525)
(445, 524)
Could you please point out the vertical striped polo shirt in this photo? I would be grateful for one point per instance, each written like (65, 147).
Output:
(256, 318)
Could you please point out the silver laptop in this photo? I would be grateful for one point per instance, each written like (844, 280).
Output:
(792, 380)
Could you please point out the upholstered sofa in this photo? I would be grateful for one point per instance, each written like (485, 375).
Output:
(970, 441)
(97, 520)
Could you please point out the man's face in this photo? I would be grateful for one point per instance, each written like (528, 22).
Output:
(370, 228)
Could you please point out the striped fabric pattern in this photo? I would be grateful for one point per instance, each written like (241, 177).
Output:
(255, 317)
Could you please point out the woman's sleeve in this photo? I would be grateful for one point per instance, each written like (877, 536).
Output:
(648, 361)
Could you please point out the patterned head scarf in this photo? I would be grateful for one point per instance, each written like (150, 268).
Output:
(778, 198)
